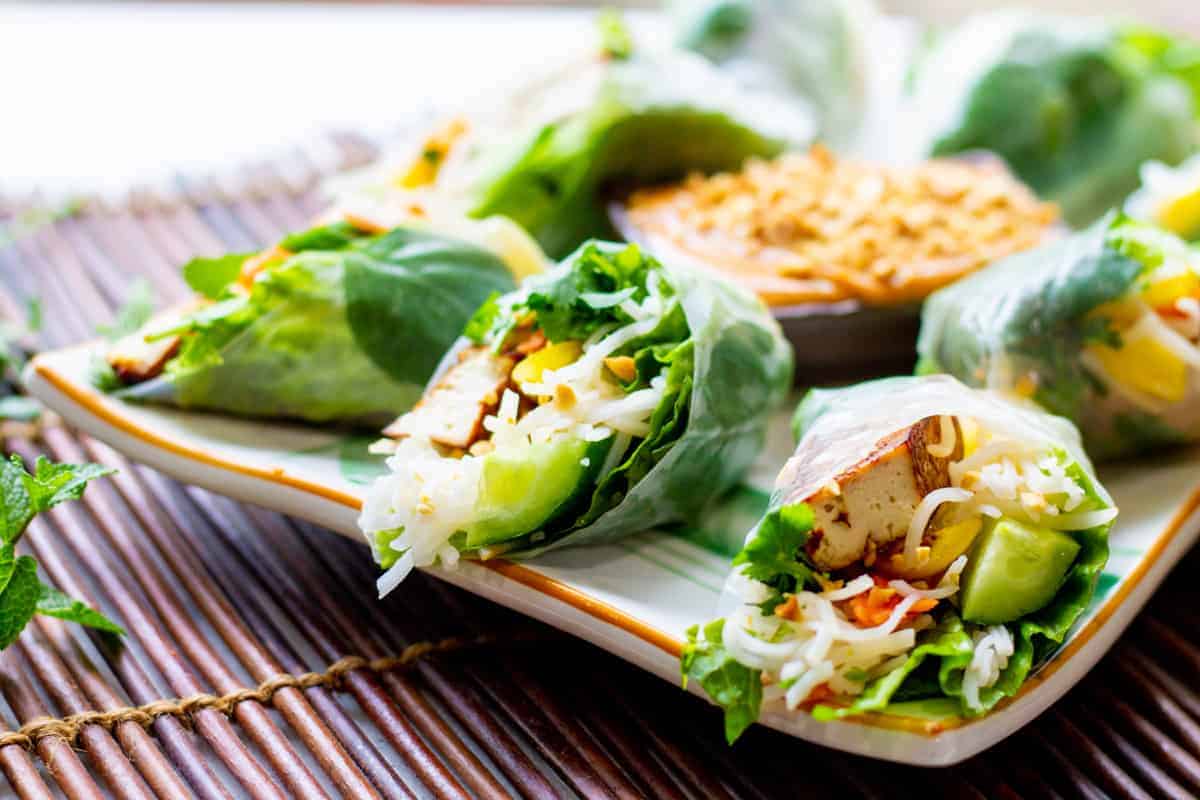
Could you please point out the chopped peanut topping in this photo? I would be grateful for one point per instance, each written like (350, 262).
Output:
(564, 396)
(788, 608)
(623, 367)
(481, 448)
(808, 227)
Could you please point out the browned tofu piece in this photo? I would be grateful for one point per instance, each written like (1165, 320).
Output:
(451, 413)
(135, 360)
(874, 500)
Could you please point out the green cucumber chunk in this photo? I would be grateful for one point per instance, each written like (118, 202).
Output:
(1013, 570)
(521, 491)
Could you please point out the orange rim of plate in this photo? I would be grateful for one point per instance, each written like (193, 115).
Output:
(103, 408)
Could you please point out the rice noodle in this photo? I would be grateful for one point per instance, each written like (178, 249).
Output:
(948, 438)
(924, 512)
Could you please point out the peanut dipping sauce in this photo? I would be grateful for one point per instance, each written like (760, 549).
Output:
(809, 227)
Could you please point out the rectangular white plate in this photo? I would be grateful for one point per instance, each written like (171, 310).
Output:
(636, 598)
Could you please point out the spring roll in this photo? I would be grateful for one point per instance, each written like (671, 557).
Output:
(334, 324)
(607, 396)
(927, 542)
(1102, 327)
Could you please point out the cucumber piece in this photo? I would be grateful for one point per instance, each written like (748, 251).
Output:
(1013, 570)
(523, 490)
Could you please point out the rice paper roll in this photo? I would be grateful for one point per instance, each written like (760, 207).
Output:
(927, 546)
(1102, 327)
(339, 323)
(607, 396)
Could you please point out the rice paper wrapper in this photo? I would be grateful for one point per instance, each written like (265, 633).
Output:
(742, 373)
(840, 426)
(1026, 318)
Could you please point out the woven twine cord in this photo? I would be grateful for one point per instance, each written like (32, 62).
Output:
(69, 728)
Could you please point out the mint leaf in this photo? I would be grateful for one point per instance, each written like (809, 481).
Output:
(210, 276)
(135, 313)
(23, 495)
(773, 555)
(19, 600)
(734, 687)
(8, 563)
(53, 603)
(51, 483)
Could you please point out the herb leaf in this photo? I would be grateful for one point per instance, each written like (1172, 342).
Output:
(734, 687)
(773, 555)
(210, 276)
(18, 601)
(53, 603)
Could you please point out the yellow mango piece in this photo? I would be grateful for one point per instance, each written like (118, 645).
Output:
(945, 545)
(1146, 366)
(1181, 215)
(1122, 313)
(554, 356)
(1166, 291)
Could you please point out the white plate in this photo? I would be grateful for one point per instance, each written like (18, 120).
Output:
(636, 598)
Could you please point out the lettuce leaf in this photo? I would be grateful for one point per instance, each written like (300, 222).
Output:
(737, 689)
(1073, 106)
(347, 328)
(628, 127)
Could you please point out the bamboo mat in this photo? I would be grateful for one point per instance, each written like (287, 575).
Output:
(236, 615)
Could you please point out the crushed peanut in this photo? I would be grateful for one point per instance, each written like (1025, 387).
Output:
(808, 227)
(564, 396)
(623, 367)
(481, 448)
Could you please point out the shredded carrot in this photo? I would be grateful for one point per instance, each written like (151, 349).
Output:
(363, 224)
(788, 608)
(532, 343)
(252, 266)
(872, 608)
(820, 693)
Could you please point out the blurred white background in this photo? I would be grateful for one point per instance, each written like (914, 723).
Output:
(101, 96)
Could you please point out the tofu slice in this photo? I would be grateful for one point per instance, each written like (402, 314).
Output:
(451, 413)
(871, 503)
(134, 360)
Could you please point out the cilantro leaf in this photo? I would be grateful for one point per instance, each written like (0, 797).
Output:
(734, 687)
(136, 312)
(586, 292)
(210, 276)
(53, 603)
(773, 555)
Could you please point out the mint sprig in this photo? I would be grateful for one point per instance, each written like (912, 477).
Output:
(24, 495)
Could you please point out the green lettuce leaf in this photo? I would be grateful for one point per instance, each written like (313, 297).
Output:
(346, 329)
(210, 277)
(1073, 106)
(735, 688)
(629, 127)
